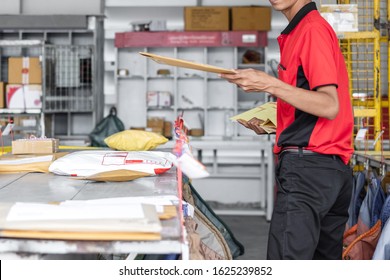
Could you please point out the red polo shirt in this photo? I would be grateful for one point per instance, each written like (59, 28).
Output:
(311, 58)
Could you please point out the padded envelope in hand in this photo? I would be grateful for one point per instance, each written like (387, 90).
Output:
(186, 64)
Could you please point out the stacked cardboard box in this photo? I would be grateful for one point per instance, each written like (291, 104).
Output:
(156, 125)
(222, 18)
(159, 98)
(160, 126)
(24, 88)
(24, 96)
(24, 70)
(251, 18)
(206, 18)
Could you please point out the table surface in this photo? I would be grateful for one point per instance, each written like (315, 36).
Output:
(47, 187)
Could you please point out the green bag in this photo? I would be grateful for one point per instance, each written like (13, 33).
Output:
(106, 127)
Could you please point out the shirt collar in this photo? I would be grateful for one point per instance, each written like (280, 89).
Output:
(299, 16)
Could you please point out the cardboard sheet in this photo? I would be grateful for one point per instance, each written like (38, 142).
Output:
(165, 205)
(187, 64)
(144, 226)
(99, 236)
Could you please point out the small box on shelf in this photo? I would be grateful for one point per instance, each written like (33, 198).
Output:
(159, 99)
(24, 96)
(24, 70)
(251, 18)
(206, 18)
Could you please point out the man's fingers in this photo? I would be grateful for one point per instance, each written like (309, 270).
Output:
(255, 121)
(243, 122)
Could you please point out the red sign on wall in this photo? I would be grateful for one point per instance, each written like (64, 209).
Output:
(191, 39)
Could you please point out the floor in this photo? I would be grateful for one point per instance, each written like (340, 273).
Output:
(252, 232)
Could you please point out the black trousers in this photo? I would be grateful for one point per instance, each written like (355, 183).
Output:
(311, 207)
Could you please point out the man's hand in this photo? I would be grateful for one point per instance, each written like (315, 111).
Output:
(253, 124)
(250, 80)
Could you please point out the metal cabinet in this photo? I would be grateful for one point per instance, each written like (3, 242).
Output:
(72, 77)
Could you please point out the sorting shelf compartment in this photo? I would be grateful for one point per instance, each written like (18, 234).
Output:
(205, 100)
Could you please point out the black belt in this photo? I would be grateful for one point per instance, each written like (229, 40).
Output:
(301, 151)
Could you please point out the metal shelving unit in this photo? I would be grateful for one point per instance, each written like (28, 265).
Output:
(206, 100)
(36, 126)
(68, 84)
(362, 52)
(72, 72)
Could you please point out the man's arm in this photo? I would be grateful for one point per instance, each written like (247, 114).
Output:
(322, 103)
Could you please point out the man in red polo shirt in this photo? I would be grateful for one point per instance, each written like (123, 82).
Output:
(313, 136)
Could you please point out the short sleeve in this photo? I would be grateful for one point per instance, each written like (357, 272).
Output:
(318, 56)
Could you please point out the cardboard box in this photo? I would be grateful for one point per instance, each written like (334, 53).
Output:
(155, 122)
(342, 18)
(152, 98)
(251, 18)
(159, 98)
(206, 18)
(24, 96)
(35, 146)
(2, 94)
(24, 70)
(168, 129)
(158, 130)
(164, 99)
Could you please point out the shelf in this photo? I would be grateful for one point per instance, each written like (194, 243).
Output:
(20, 111)
(25, 128)
(251, 65)
(221, 108)
(190, 109)
(160, 77)
(206, 99)
(68, 98)
(196, 77)
(150, 3)
(160, 108)
(130, 77)
(216, 78)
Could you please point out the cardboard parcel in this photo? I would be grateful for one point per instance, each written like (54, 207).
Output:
(24, 70)
(35, 146)
(265, 112)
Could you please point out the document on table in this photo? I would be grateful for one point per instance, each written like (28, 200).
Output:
(134, 217)
(24, 159)
(186, 64)
(165, 204)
